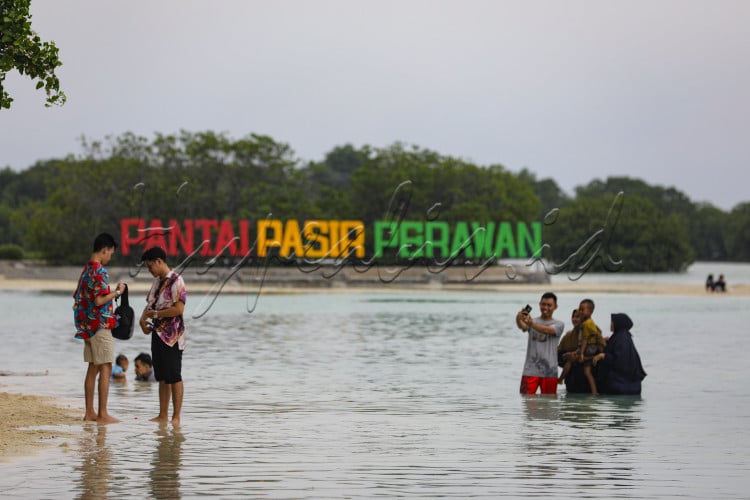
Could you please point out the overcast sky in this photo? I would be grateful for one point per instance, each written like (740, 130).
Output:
(573, 90)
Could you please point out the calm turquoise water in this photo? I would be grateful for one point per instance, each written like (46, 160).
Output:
(394, 394)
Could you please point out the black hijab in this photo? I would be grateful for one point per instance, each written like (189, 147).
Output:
(622, 322)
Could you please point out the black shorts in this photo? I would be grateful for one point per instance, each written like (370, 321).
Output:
(167, 360)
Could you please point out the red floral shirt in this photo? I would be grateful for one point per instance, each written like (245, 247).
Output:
(89, 318)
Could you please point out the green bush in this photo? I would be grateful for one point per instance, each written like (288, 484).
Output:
(11, 252)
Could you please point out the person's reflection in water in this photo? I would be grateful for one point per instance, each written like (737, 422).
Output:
(165, 466)
(627, 409)
(541, 408)
(96, 467)
(604, 413)
(542, 413)
(604, 426)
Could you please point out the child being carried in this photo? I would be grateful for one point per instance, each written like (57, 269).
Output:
(590, 342)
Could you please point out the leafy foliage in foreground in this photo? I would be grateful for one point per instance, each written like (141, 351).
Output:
(23, 50)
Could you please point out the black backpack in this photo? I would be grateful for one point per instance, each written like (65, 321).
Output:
(125, 318)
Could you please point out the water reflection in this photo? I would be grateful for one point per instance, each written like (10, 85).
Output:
(628, 409)
(166, 463)
(540, 407)
(569, 430)
(372, 399)
(601, 412)
(541, 412)
(597, 437)
(96, 466)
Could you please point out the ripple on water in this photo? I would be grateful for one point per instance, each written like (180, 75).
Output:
(356, 395)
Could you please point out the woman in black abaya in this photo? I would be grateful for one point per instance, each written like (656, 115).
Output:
(619, 367)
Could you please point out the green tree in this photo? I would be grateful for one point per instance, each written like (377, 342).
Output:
(637, 234)
(329, 182)
(738, 233)
(49, 209)
(706, 224)
(410, 183)
(433, 185)
(549, 192)
(708, 227)
(17, 189)
(84, 197)
(666, 200)
(22, 49)
(185, 176)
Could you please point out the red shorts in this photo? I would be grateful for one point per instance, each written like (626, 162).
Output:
(529, 385)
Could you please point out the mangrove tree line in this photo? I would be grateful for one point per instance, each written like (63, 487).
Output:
(52, 209)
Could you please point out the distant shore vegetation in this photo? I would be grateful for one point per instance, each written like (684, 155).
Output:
(54, 208)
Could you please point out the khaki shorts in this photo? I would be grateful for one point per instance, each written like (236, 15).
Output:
(100, 348)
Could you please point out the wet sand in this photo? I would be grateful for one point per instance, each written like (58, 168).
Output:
(29, 424)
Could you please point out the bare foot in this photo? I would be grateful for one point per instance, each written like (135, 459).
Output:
(107, 419)
(89, 417)
(175, 421)
(159, 418)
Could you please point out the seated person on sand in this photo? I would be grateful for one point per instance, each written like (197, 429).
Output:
(119, 368)
(144, 368)
(591, 343)
(710, 283)
(720, 285)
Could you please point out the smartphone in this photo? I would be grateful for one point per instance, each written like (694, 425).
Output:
(527, 309)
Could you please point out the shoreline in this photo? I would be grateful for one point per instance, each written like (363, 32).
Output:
(272, 287)
(39, 277)
(30, 424)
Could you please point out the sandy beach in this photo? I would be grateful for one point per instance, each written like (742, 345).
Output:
(30, 423)
(141, 287)
(35, 276)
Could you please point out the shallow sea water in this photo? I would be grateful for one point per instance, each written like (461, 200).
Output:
(385, 394)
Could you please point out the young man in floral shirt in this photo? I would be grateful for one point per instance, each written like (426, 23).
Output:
(165, 305)
(94, 319)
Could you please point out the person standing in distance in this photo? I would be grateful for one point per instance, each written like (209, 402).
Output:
(540, 367)
(94, 316)
(162, 318)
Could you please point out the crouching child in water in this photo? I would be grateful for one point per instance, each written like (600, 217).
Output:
(120, 367)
